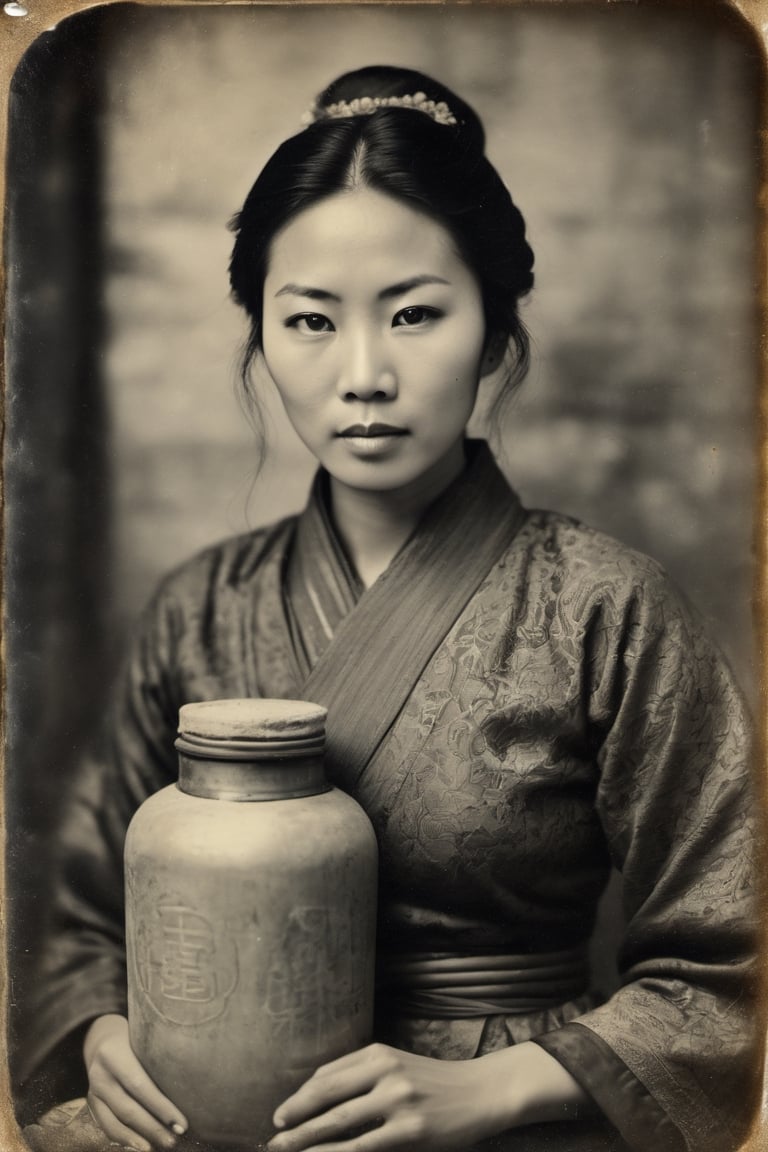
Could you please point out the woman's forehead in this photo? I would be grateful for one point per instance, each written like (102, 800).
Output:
(366, 235)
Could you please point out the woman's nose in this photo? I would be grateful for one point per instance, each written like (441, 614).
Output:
(366, 372)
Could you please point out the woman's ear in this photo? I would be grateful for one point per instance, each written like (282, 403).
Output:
(493, 353)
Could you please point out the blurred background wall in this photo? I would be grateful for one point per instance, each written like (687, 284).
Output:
(627, 135)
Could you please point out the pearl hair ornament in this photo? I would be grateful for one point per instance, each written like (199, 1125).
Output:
(367, 105)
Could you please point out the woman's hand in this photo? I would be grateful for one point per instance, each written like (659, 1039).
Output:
(380, 1098)
(122, 1098)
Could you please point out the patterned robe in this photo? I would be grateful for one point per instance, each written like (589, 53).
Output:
(518, 703)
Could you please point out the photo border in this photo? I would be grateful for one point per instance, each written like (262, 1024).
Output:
(17, 34)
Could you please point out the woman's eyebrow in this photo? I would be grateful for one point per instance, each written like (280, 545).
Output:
(308, 293)
(389, 293)
(407, 285)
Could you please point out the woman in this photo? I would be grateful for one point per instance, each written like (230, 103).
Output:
(516, 700)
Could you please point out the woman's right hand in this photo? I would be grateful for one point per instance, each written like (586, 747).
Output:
(122, 1098)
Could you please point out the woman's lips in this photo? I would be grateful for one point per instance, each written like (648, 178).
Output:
(371, 431)
(372, 440)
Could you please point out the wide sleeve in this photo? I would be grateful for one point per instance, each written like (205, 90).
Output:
(81, 973)
(673, 1058)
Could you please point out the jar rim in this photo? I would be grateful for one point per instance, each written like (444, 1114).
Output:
(253, 719)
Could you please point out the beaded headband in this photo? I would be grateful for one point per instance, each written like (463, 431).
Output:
(367, 105)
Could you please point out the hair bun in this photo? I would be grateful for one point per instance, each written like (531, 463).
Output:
(382, 81)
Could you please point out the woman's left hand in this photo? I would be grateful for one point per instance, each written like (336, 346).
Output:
(380, 1098)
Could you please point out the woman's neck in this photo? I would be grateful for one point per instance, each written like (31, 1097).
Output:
(374, 525)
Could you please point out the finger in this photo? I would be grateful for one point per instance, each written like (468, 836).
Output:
(116, 1131)
(343, 1120)
(130, 1074)
(372, 1053)
(400, 1133)
(333, 1083)
(129, 1115)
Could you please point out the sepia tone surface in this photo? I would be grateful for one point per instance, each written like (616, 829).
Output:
(628, 138)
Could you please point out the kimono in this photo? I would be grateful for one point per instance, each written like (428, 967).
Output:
(519, 702)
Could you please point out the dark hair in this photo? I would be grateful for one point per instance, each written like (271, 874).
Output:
(439, 169)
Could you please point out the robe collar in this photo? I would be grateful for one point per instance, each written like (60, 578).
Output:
(373, 644)
(322, 586)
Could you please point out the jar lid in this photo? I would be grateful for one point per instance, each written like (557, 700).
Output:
(272, 721)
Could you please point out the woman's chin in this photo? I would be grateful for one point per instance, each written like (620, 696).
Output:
(376, 463)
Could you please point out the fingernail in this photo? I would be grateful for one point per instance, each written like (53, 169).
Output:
(177, 1128)
(278, 1121)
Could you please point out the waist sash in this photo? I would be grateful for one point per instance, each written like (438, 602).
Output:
(443, 985)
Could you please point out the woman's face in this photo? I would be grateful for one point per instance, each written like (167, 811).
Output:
(373, 332)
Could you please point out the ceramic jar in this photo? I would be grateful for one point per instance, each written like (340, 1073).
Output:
(250, 918)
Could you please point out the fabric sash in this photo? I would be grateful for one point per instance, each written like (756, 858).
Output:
(381, 647)
(454, 986)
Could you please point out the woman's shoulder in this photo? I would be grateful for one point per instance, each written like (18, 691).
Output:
(572, 541)
(586, 579)
(562, 548)
(232, 563)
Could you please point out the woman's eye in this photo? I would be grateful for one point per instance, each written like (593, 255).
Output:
(310, 322)
(413, 317)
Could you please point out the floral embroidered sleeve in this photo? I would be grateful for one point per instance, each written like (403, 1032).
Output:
(677, 808)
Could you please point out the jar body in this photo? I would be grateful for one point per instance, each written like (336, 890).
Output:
(251, 947)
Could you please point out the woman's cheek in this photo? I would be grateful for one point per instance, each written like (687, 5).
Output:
(305, 404)
(457, 356)
(295, 374)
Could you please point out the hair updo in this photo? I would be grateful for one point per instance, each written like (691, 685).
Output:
(436, 168)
